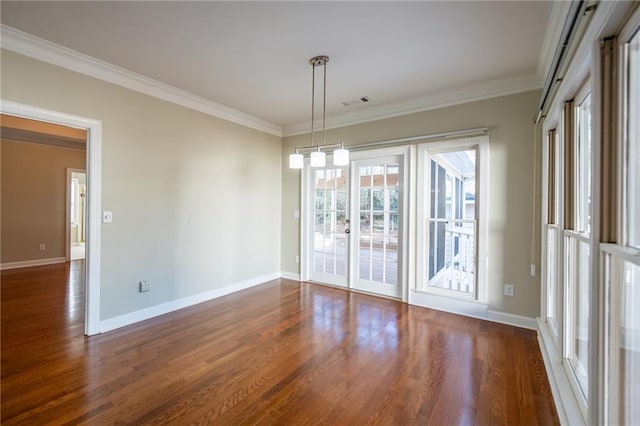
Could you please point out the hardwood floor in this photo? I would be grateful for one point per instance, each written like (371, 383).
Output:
(279, 353)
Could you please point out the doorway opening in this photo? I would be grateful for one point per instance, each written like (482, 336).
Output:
(76, 214)
(93, 145)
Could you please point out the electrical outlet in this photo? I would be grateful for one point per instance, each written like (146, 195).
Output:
(508, 289)
(145, 285)
(43, 247)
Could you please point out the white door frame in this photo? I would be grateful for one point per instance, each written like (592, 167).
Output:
(94, 194)
(67, 226)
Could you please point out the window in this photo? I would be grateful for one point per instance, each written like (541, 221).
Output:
(628, 362)
(577, 243)
(591, 204)
(632, 148)
(552, 177)
(583, 175)
(622, 260)
(577, 309)
(552, 231)
(452, 221)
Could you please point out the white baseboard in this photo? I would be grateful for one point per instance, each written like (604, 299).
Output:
(561, 390)
(290, 275)
(469, 308)
(174, 305)
(35, 262)
(512, 319)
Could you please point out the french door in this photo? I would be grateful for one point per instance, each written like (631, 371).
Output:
(375, 235)
(327, 237)
(352, 236)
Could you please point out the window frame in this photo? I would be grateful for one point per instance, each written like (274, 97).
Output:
(481, 145)
(572, 235)
(552, 221)
(630, 31)
(581, 176)
(613, 255)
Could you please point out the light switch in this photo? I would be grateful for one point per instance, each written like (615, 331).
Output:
(296, 214)
(107, 216)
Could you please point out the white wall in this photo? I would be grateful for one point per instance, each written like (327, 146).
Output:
(196, 200)
(34, 181)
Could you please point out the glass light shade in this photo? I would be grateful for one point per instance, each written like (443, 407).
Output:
(341, 157)
(317, 159)
(296, 161)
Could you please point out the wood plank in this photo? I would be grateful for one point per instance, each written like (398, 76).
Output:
(281, 352)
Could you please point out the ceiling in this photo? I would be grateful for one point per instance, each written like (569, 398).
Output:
(253, 56)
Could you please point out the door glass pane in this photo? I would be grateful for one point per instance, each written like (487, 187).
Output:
(378, 227)
(378, 199)
(393, 199)
(365, 199)
(452, 224)
(330, 213)
(341, 254)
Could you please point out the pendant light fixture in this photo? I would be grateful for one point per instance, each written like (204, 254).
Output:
(316, 151)
(296, 160)
(341, 156)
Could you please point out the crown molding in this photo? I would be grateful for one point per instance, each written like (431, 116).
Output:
(559, 12)
(37, 48)
(471, 93)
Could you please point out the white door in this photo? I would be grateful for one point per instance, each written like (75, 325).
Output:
(377, 221)
(327, 238)
(354, 221)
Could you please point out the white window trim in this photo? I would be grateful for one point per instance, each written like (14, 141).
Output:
(481, 143)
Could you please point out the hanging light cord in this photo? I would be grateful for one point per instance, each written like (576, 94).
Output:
(324, 104)
(313, 98)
